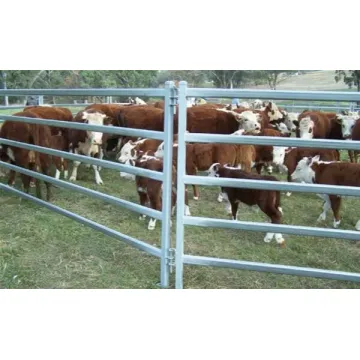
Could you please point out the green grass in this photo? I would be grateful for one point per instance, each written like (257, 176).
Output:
(40, 249)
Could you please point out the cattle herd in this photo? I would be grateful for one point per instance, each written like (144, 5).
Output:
(309, 165)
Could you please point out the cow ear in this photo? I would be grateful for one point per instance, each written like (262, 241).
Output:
(316, 158)
(217, 167)
(339, 118)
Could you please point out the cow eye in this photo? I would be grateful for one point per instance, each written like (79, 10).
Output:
(310, 130)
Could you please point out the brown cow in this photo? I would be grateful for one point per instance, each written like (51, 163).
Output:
(267, 200)
(34, 134)
(199, 157)
(313, 171)
(294, 155)
(150, 190)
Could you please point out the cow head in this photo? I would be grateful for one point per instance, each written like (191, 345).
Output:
(280, 126)
(279, 155)
(257, 104)
(306, 128)
(273, 112)
(249, 121)
(94, 118)
(347, 123)
(128, 152)
(291, 121)
(213, 170)
(304, 171)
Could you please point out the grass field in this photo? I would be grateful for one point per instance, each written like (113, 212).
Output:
(40, 249)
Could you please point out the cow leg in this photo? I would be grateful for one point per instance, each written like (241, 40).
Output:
(143, 200)
(45, 168)
(351, 154)
(26, 182)
(326, 207)
(101, 156)
(66, 169)
(335, 206)
(73, 176)
(98, 179)
(32, 182)
(258, 168)
(196, 192)
(57, 163)
(275, 214)
(76, 164)
(11, 180)
(220, 197)
(187, 208)
(155, 203)
(234, 209)
(289, 180)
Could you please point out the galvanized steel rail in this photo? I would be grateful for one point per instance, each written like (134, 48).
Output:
(183, 179)
(169, 96)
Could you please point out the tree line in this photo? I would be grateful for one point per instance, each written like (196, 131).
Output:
(46, 79)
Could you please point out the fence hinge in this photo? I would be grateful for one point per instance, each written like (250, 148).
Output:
(171, 259)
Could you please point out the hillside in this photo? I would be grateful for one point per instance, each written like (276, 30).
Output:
(317, 80)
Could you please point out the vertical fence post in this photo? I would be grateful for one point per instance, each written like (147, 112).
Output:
(41, 99)
(167, 184)
(180, 201)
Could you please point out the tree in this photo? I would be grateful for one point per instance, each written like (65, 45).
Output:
(228, 78)
(271, 77)
(350, 77)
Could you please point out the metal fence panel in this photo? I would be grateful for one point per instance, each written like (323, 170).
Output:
(183, 179)
(92, 224)
(168, 93)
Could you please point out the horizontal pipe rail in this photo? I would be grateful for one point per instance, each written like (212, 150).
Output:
(85, 92)
(87, 159)
(272, 268)
(272, 185)
(117, 130)
(152, 250)
(272, 141)
(273, 228)
(92, 193)
(274, 94)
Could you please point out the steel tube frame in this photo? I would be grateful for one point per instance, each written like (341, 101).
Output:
(86, 159)
(272, 268)
(92, 224)
(167, 184)
(107, 129)
(168, 93)
(92, 193)
(183, 179)
(85, 92)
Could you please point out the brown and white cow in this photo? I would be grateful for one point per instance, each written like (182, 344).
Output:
(267, 200)
(340, 173)
(350, 128)
(150, 190)
(87, 142)
(295, 154)
(199, 157)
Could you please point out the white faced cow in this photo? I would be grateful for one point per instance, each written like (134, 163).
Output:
(87, 142)
(347, 123)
